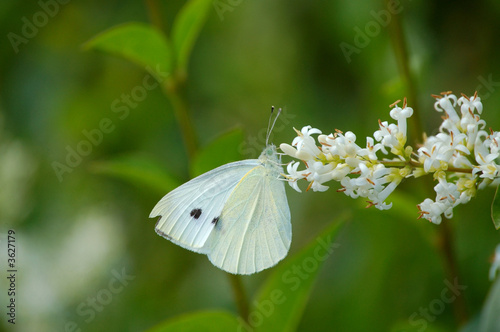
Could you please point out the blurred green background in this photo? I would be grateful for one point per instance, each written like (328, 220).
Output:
(74, 234)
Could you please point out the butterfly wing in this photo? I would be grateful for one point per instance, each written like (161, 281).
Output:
(189, 213)
(254, 230)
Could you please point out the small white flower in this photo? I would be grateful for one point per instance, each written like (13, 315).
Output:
(389, 136)
(446, 192)
(430, 157)
(316, 186)
(306, 145)
(371, 149)
(462, 161)
(340, 172)
(446, 104)
(342, 146)
(294, 175)
(431, 210)
(349, 188)
(401, 114)
(492, 142)
(378, 200)
(318, 173)
(288, 149)
(472, 103)
(487, 166)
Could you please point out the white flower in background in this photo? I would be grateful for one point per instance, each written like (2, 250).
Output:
(462, 158)
(18, 166)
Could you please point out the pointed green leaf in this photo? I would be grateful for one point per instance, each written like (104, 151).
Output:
(139, 170)
(216, 321)
(222, 150)
(139, 43)
(186, 28)
(283, 297)
(490, 319)
(495, 210)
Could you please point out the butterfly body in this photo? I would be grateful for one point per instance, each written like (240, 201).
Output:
(236, 214)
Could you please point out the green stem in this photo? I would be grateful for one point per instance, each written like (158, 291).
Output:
(240, 296)
(172, 87)
(181, 112)
(154, 12)
(412, 163)
(445, 244)
(444, 237)
(401, 53)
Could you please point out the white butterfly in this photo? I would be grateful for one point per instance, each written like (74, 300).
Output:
(236, 214)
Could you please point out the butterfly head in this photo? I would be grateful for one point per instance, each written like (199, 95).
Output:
(269, 152)
(270, 158)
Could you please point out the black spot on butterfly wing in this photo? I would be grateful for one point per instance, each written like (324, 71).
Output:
(195, 213)
(215, 221)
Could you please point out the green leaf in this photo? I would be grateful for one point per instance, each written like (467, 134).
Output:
(222, 150)
(495, 210)
(472, 325)
(490, 319)
(139, 170)
(216, 321)
(186, 28)
(140, 43)
(283, 297)
(417, 326)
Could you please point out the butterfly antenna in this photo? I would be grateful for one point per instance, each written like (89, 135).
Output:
(269, 126)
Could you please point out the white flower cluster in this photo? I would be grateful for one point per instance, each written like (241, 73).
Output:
(462, 157)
